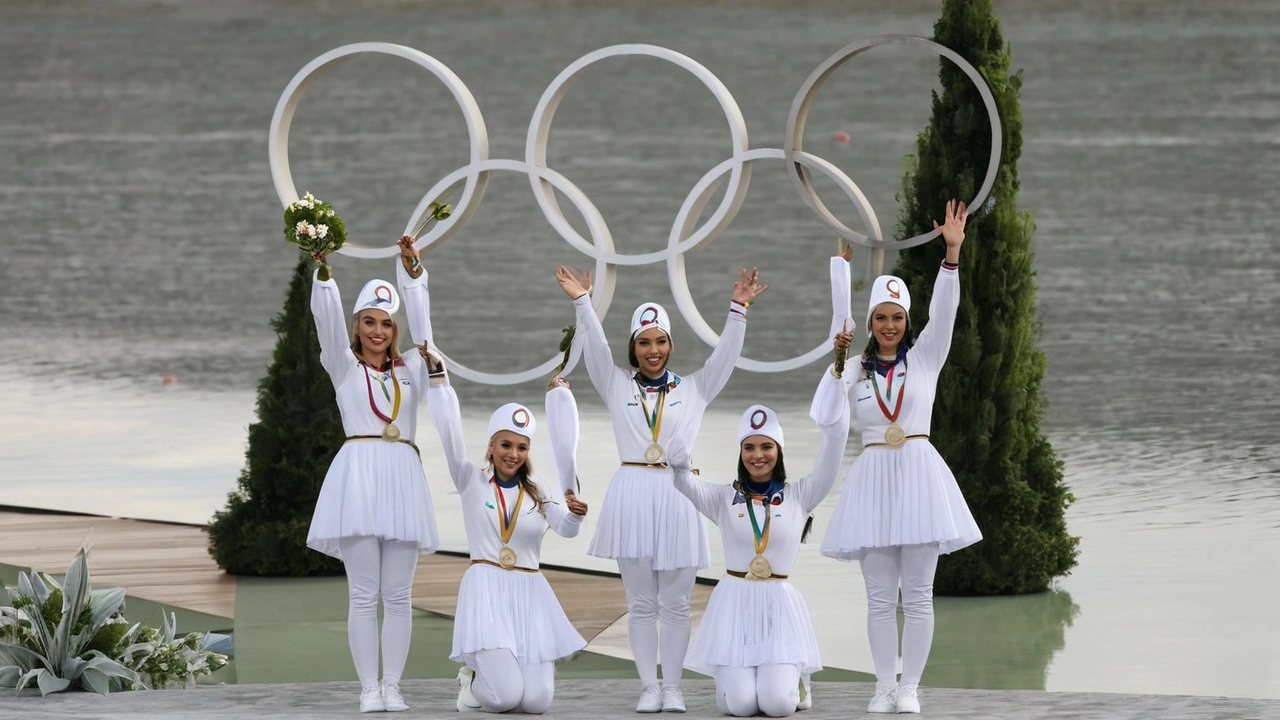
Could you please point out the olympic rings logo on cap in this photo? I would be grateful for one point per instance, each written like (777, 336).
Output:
(758, 419)
(646, 318)
(520, 418)
(685, 234)
(382, 294)
(893, 289)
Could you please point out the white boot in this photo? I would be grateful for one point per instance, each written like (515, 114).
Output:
(806, 694)
(371, 700)
(672, 700)
(650, 699)
(392, 700)
(886, 698)
(908, 700)
(467, 700)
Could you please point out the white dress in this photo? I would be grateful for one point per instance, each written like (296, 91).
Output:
(512, 609)
(749, 622)
(904, 495)
(373, 487)
(642, 515)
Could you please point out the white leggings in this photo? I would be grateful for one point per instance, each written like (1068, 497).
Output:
(885, 570)
(503, 683)
(654, 595)
(379, 569)
(746, 691)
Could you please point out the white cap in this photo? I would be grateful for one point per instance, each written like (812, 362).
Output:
(649, 315)
(760, 420)
(889, 289)
(377, 295)
(514, 417)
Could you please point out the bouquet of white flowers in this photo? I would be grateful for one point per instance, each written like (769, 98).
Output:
(311, 224)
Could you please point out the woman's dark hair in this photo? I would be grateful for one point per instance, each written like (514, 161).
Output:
(779, 471)
(873, 349)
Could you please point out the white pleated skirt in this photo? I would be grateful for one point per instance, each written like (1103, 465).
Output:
(517, 611)
(644, 516)
(376, 489)
(899, 496)
(749, 623)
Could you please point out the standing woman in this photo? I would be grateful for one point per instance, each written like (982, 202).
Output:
(900, 506)
(374, 511)
(756, 636)
(509, 627)
(652, 530)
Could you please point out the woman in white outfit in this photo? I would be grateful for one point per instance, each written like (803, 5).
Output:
(374, 511)
(509, 628)
(900, 506)
(653, 531)
(756, 636)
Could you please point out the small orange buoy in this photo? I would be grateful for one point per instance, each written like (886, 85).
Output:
(842, 137)
(169, 379)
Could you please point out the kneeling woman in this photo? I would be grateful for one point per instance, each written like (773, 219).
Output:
(756, 636)
(509, 628)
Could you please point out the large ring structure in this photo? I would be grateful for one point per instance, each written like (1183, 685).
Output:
(685, 233)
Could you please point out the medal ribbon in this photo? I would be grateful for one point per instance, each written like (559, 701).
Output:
(395, 408)
(897, 408)
(654, 419)
(761, 535)
(506, 521)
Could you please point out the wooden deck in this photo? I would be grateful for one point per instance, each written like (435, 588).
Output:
(170, 564)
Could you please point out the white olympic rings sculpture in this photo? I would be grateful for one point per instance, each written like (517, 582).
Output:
(685, 235)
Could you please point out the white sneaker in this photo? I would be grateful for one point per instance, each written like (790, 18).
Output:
(806, 694)
(886, 698)
(650, 699)
(392, 700)
(371, 700)
(467, 700)
(908, 701)
(672, 700)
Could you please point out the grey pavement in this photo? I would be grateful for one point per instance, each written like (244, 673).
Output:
(590, 699)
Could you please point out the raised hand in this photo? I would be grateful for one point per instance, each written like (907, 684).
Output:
(574, 283)
(953, 228)
(558, 381)
(748, 287)
(843, 339)
(409, 255)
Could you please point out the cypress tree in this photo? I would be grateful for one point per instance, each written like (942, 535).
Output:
(986, 418)
(263, 530)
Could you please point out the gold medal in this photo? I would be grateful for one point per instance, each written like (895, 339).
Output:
(760, 568)
(654, 453)
(507, 557)
(391, 433)
(894, 435)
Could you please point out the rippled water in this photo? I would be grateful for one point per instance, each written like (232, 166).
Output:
(140, 238)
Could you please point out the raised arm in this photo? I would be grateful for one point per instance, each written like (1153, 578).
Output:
(560, 518)
(830, 410)
(713, 375)
(411, 276)
(935, 339)
(331, 327)
(706, 497)
(605, 376)
(562, 419)
(442, 402)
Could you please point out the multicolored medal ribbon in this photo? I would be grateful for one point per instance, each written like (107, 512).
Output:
(759, 566)
(506, 522)
(390, 432)
(894, 435)
(654, 453)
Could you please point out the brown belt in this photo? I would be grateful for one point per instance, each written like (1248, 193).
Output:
(514, 568)
(909, 437)
(737, 574)
(652, 466)
(379, 437)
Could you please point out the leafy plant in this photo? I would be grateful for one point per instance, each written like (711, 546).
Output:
(63, 636)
